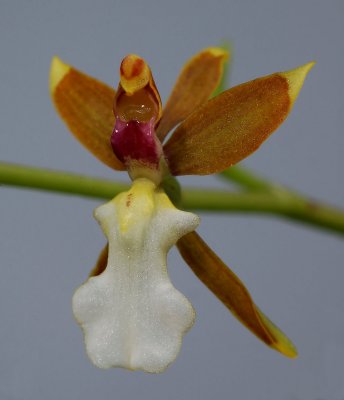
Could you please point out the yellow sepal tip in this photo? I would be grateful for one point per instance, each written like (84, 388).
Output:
(281, 342)
(218, 52)
(295, 79)
(58, 70)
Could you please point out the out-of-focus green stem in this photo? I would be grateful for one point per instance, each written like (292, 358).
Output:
(57, 181)
(223, 84)
(285, 205)
(248, 180)
(280, 201)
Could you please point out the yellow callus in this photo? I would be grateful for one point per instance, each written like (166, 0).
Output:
(134, 73)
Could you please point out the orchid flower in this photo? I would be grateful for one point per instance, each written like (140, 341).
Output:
(129, 311)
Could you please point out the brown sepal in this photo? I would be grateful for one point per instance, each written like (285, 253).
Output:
(101, 262)
(85, 105)
(228, 127)
(228, 288)
(195, 84)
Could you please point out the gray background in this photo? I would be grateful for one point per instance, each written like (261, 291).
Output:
(49, 242)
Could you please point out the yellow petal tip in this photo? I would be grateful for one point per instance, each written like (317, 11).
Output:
(281, 342)
(58, 70)
(295, 79)
(287, 348)
(218, 52)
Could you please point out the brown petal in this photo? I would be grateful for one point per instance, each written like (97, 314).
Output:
(85, 105)
(197, 81)
(101, 262)
(228, 288)
(234, 124)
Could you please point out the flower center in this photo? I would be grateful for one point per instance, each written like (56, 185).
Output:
(135, 144)
(137, 108)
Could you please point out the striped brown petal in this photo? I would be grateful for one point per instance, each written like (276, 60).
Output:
(228, 288)
(85, 105)
(195, 84)
(234, 124)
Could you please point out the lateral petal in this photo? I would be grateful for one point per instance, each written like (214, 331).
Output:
(195, 84)
(234, 124)
(228, 288)
(85, 105)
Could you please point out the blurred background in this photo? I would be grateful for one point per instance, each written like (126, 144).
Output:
(50, 242)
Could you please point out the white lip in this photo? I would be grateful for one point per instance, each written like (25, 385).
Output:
(131, 314)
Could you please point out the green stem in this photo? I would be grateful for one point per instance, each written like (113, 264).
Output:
(285, 205)
(278, 202)
(248, 180)
(223, 84)
(56, 181)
